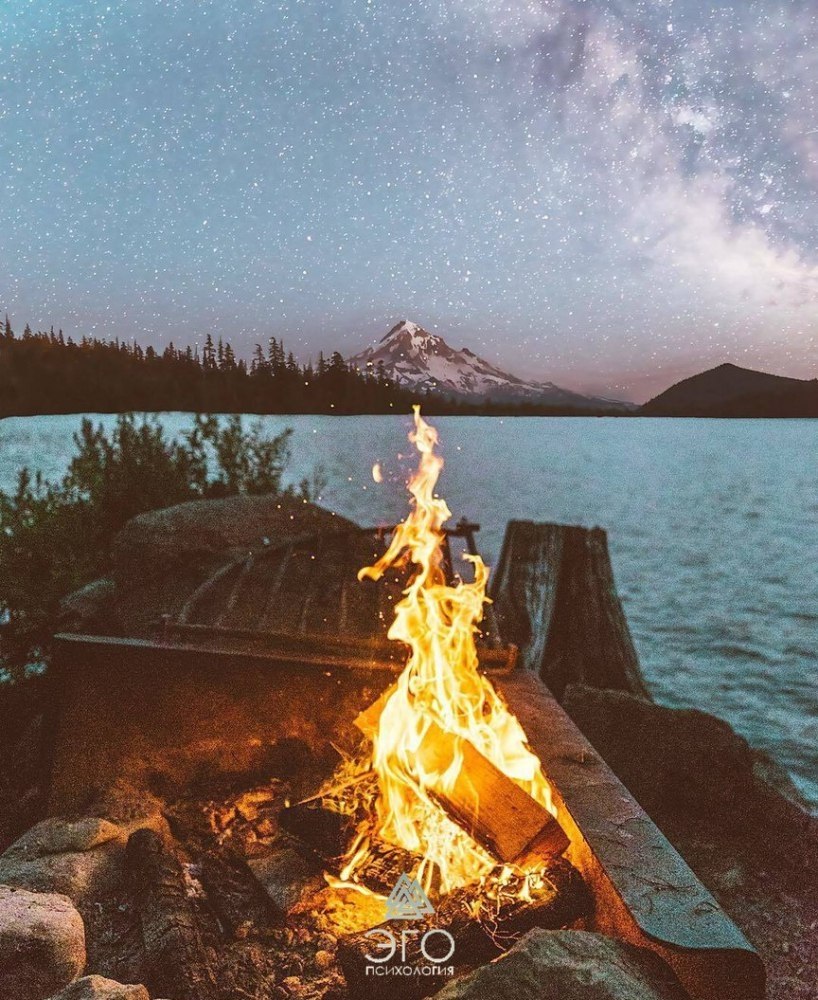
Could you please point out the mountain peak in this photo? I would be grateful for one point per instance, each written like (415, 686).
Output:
(406, 326)
(422, 361)
(411, 336)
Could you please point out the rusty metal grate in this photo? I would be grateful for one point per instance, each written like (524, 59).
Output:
(303, 602)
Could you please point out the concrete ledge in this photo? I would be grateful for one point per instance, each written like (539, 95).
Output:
(644, 891)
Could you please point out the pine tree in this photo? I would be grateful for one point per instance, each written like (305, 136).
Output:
(258, 364)
(208, 354)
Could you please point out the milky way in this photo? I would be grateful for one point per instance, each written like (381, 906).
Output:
(606, 194)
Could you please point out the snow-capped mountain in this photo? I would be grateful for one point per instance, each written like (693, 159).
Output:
(419, 360)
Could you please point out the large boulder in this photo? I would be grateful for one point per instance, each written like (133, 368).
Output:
(161, 540)
(569, 965)
(42, 943)
(672, 760)
(160, 558)
(58, 836)
(89, 609)
(99, 988)
(696, 777)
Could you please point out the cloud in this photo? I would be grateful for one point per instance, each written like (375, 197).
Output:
(688, 236)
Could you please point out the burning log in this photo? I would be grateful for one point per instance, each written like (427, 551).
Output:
(481, 926)
(385, 863)
(177, 961)
(489, 806)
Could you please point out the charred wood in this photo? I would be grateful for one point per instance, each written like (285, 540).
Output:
(177, 962)
(237, 899)
(482, 927)
(323, 828)
(287, 876)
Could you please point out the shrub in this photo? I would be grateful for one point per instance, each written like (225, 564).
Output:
(56, 537)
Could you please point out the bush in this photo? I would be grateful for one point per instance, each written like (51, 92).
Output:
(55, 538)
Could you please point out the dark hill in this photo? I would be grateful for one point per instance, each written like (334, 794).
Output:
(730, 391)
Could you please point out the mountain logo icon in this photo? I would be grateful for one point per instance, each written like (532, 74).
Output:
(408, 901)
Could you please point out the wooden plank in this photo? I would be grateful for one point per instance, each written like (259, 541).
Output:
(491, 808)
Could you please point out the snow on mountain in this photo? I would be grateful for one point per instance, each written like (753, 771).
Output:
(419, 360)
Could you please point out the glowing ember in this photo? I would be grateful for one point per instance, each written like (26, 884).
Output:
(440, 689)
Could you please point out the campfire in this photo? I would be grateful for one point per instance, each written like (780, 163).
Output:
(444, 811)
(456, 785)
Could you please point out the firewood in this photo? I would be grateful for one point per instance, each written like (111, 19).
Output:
(177, 962)
(384, 864)
(239, 902)
(491, 808)
(482, 927)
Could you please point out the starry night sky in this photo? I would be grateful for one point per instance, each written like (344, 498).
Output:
(609, 194)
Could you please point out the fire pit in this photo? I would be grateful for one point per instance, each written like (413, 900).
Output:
(379, 825)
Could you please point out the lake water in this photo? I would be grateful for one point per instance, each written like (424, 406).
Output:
(713, 530)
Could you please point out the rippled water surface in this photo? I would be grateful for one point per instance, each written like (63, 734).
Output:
(713, 531)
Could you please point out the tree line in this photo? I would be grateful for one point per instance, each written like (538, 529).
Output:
(50, 373)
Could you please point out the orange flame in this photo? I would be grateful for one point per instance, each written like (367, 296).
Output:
(441, 686)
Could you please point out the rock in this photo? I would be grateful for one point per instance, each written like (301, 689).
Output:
(22, 745)
(58, 836)
(777, 777)
(79, 858)
(696, 777)
(287, 876)
(153, 543)
(42, 943)
(99, 988)
(674, 761)
(569, 965)
(131, 807)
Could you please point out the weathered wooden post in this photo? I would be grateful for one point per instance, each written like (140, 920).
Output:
(555, 598)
